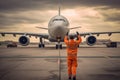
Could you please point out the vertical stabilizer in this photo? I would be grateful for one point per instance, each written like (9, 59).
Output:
(59, 8)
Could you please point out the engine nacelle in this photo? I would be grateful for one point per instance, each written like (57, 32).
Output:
(24, 40)
(91, 40)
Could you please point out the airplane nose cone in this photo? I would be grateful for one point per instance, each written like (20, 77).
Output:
(58, 27)
(59, 30)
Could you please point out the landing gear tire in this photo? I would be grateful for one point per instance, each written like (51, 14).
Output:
(60, 46)
(41, 45)
(56, 46)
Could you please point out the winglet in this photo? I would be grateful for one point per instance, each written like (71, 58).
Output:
(59, 8)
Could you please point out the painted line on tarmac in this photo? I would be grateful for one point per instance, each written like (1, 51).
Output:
(57, 57)
(114, 56)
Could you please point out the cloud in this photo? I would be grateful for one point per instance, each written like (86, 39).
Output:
(8, 20)
(86, 12)
(92, 15)
(113, 17)
(21, 5)
(110, 15)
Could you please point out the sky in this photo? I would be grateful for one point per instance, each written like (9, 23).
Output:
(91, 15)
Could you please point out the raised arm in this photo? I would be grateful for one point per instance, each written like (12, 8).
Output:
(66, 38)
(79, 40)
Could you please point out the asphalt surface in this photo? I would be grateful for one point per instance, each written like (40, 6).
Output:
(32, 63)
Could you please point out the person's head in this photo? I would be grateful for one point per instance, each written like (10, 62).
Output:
(71, 37)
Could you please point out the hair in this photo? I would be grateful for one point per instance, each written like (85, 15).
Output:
(71, 37)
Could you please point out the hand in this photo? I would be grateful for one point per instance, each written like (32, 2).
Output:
(67, 34)
(77, 33)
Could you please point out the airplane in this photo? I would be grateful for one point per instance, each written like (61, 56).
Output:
(58, 26)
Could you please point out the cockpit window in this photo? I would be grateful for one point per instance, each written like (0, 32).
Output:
(58, 20)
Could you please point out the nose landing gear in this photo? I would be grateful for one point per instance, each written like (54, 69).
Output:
(58, 45)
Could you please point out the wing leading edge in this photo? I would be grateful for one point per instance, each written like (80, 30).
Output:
(43, 35)
(97, 33)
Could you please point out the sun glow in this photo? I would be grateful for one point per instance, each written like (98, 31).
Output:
(69, 12)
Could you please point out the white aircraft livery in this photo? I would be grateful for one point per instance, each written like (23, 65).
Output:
(58, 26)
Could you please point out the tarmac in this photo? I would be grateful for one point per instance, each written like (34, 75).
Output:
(33, 63)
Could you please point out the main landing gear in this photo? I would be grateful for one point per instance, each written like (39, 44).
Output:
(41, 44)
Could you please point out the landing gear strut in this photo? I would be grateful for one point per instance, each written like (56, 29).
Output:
(41, 44)
(58, 45)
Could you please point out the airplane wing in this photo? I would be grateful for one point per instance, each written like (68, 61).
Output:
(41, 28)
(75, 27)
(91, 39)
(96, 33)
(43, 35)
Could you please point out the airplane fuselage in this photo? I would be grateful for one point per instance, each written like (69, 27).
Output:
(57, 27)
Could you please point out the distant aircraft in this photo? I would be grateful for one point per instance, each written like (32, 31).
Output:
(58, 26)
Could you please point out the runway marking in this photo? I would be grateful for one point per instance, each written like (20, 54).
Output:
(114, 56)
(58, 57)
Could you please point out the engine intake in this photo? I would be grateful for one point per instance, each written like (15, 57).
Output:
(24, 40)
(91, 40)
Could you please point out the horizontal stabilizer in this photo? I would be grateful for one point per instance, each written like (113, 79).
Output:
(42, 28)
(75, 27)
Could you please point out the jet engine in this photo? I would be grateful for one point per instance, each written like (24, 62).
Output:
(24, 40)
(91, 40)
